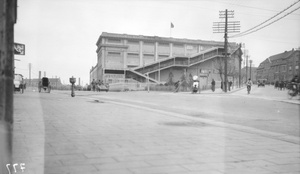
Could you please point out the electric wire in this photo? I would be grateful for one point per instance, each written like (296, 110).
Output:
(249, 30)
(246, 33)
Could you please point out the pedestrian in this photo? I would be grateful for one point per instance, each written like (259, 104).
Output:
(177, 86)
(213, 85)
(222, 85)
(249, 84)
(229, 85)
(276, 84)
(280, 85)
(93, 85)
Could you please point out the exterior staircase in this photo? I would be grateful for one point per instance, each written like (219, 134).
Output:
(177, 62)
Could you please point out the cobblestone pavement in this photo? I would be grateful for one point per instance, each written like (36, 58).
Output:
(55, 133)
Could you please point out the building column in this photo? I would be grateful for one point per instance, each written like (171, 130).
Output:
(103, 57)
(156, 51)
(125, 55)
(141, 53)
(171, 50)
(185, 49)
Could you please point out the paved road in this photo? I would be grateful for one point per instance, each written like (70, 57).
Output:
(265, 108)
(140, 132)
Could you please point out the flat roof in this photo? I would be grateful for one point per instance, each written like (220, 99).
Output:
(158, 39)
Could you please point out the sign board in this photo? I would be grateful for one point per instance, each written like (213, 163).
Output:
(19, 49)
(203, 74)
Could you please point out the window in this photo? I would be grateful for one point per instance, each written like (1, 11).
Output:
(148, 43)
(133, 55)
(163, 56)
(297, 67)
(113, 40)
(283, 68)
(190, 47)
(290, 68)
(164, 44)
(114, 54)
(133, 42)
(148, 56)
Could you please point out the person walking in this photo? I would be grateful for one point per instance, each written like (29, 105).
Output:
(222, 85)
(213, 85)
(249, 84)
(229, 85)
(177, 86)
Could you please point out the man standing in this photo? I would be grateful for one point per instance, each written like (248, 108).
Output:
(93, 85)
(230, 83)
(213, 85)
(249, 84)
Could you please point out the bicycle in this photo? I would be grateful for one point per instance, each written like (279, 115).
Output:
(248, 88)
(293, 90)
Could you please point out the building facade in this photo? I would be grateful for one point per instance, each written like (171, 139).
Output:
(123, 56)
(280, 67)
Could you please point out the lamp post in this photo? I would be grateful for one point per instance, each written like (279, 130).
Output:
(72, 81)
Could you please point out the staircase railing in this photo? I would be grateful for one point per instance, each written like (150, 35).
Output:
(177, 61)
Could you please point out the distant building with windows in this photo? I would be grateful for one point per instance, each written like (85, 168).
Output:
(280, 67)
(123, 56)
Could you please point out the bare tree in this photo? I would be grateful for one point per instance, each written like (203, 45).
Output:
(219, 65)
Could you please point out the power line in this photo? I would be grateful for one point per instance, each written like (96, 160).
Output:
(245, 32)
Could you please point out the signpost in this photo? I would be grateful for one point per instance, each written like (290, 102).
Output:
(19, 49)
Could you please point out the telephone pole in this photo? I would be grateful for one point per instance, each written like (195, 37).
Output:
(226, 27)
(250, 76)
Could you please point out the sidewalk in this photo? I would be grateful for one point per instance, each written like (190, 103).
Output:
(55, 133)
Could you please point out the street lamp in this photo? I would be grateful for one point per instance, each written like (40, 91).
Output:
(72, 81)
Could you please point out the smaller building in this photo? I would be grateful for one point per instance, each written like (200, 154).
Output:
(280, 67)
(93, 73)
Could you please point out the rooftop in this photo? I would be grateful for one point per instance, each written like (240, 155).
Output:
(157, 38)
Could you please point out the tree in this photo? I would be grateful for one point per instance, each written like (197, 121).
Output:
(219, 65)
(184, 80)
(170, 79)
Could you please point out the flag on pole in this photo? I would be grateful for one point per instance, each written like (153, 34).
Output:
(172, 26)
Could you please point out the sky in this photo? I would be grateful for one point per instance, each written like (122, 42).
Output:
(60, 35)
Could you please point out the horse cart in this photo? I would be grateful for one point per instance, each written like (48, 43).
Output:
(44, 85)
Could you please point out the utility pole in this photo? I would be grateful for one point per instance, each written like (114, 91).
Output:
(299, 64)
(247, 57)
(240, 64)
(250, 76)
(226, 27)
(29, 74)
(8, 11)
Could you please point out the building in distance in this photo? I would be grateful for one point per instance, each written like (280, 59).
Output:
(137, 57)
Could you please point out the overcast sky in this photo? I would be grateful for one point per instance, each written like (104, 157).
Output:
(61, 35)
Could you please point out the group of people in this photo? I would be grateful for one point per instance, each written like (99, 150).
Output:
(282, 85)
(94, 84)
(195, 86)
(229, 85)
